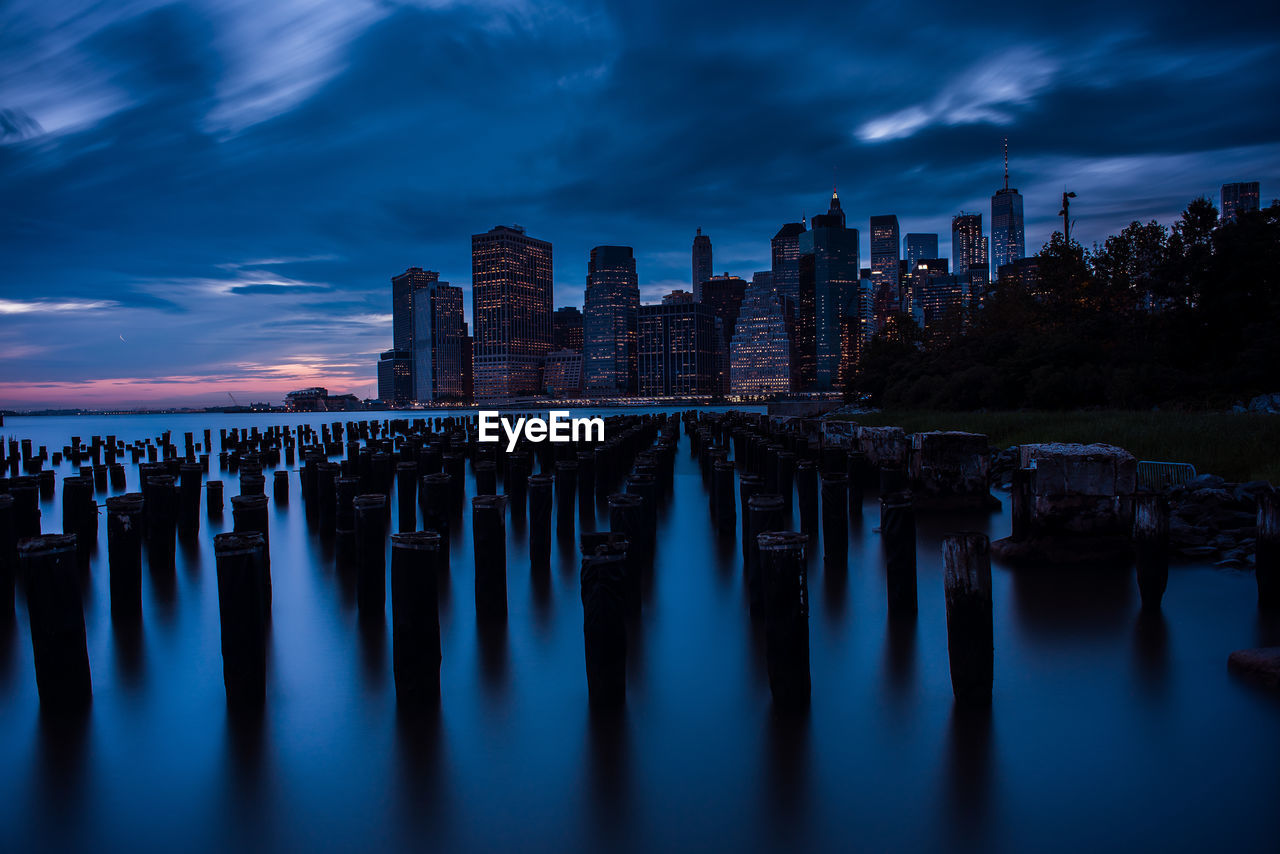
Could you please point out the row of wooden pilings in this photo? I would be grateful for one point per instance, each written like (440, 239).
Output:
(828, 484)
(422, 465)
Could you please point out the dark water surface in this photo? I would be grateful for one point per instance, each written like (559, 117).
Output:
(1109, 730)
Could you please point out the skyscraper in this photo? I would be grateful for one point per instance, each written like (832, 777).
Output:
(884, 250)
(701, 263)
(566, 329)
(723, 295)
(677, 350)
(829, 274)
(404, 288)
(437, 342)
(609, 321)
(1238, 198)
(395, 377)
(511, 309)
(760, 352)
(1008, 242)
(785, 249)
(917, 246)
(968, 245)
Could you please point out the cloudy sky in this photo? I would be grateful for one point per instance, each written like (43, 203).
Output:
(210, 197)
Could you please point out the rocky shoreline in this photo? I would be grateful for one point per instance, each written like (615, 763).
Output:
(1210, 517)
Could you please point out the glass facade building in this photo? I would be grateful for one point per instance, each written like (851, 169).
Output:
(609, 318)
(677, 350)
(437, 342)
(1237, 198)
(701, 263)
(511, 310)
(829, 276)
(760, 351)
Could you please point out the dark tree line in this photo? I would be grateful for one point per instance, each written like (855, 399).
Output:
(1185, 317)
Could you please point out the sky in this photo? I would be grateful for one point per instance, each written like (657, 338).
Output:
(206, 200)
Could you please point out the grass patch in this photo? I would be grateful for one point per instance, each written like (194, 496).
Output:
(1238, 447)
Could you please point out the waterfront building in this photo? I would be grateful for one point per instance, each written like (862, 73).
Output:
(677, 354)
(609, 320)
(511, 310)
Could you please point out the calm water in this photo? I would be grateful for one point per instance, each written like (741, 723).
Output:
(1108, 730)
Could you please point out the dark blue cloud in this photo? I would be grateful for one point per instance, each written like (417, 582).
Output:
(201, 173)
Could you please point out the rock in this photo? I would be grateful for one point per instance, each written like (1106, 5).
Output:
(1202, 481)
(1260, 665)
(1267, 404)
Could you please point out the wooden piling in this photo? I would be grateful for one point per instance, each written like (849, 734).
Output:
(189, 499)
(280, 487)
(807, 495)
(213, 499)
(604, 611)
(835, 515)
(8, 556)
(489, 532)
(371, 554)
(539, 493)
(1151, 547)
(56, 611)
(407, 496)
(764, 513)
(125, 523)
(1267, 557)
(249, 514)
(898, 536)
(243, 616)
(970, 633)
(724, 499)
(785, 584)
(415, 617)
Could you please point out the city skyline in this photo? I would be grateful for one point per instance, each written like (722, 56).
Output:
(209, 210)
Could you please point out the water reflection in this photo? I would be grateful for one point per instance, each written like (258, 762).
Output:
(63, 742)
(423, 791)
(609, 756)
(900, 656)
(1151, 651)
(835, 586)
(491, 637)
(969, 772)
(128, 641)
(786, 772)
(373, 649)
(1055, 602)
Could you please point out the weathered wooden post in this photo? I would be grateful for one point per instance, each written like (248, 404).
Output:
(489, 532)
(566, 497)
(970, 633)
(898, 536)
(280, 487)
(1020, 504)
(345, 490)
(125, 522)
(326, 475)
(807, 495)
(77, 495)
(764, 513)
(161, 509)
(856, 470)
(415, 617)
(722, 489)
(748, 485)
(486, 474)
(371, 554)
(189, 499)
(213, 499)
(407, 495)
(8, 556)
(56, 612)
(646, 487)
(539, 492)
(249, 514)
(26, 505)
(604, 611)
(835, 516)
(626, 518)
(1267, 558)
(1151, 547)
(435, 498)
(786, 616)
(243, 615)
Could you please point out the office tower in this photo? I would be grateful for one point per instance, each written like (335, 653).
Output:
(562, 373)
(701, 263)
(437, 342)
(1238, 198)
(677, 350)
(468, 364)
(941, 305)
(677, 297)
(566, 329)
(404, 288)
(762, 279)
(785, 250)
(760, 351)
(968, 245)
(829, 274)
(511, 310)
(723, 295)
(885, 250)
(1007, 239)
(857, 325)
(395, 377)
(917, 246)
(609, 321)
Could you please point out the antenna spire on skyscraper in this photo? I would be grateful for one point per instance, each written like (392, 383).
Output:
(1006, 162)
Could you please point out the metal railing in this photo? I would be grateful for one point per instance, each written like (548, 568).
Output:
(1153, 475)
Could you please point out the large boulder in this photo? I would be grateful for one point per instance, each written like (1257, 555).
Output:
(1081, 489)
(1257, 665)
